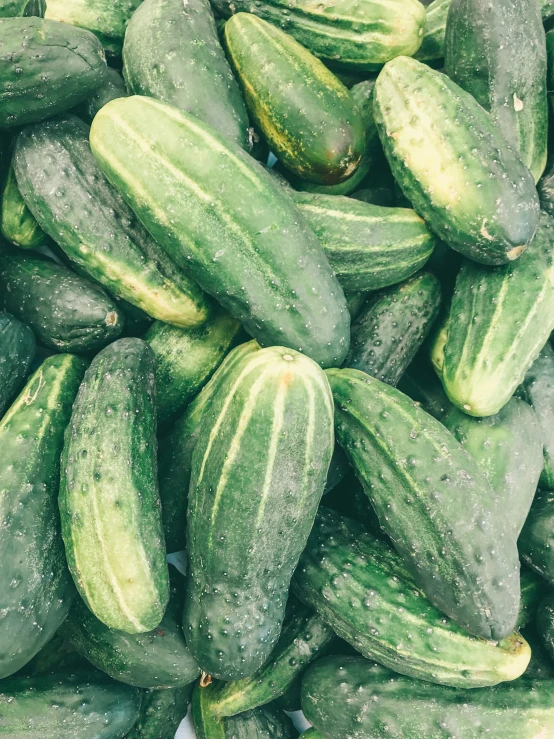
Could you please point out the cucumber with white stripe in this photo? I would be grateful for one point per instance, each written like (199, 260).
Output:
(258, 472)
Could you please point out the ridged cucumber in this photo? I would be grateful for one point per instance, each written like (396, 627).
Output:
(17, 349)
(161, 713)
(18, 224)
(536, 541)
(112, 88)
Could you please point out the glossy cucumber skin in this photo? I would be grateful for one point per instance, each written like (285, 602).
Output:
(360, 587)
(536, 541)
(109, 501)
(494, 336)
(368, 247)
(161, 713)
(387, 334)
(71, 58)
(159, 63)
(275, 419)
(232, 201)
(432, 46)
(460, 175)
(438, 509)
(112, 88)
(18, 224)
(314, 128)
(17, 349)
(67, 193)
(35, 586)
(65, 311)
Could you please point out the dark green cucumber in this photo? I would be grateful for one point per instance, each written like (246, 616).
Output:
(432, 46)
(35, 586)
(383, 196)
(508, 450)
(15, 8)
(550, 65)
(70, 198)
(545, 623)
(112, 88)
(55, 656)
(186, 359)
(453, 164)
(65, 706)
(51, 68)
(349, 499)
(368, 247)
(547, 9)
(422, 385)
(545, 186)
(359, 586)
(387, 334)
(314, 127)
(532, 592)
(109, 502)
(541, 666)
(161, 713)
(356, 302)
(172, 53)
(240, 236)
(274, 419)
(66, 312)
(17, 224)
(352, 697)
(536, 541)
(432, 500)
(17, 349)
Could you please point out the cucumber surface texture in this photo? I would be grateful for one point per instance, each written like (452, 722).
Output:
(536, 541)
(17, 349)
(18, 224)
(537, 389)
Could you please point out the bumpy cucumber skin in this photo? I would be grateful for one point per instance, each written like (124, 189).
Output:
(359, 586)
(536, 541)
(112, 88)
(352, 35)
(368, 247)
(35, 586)
(18, 224)
(239, 236)
(172, 53)
(352, 698)
(392, 326)
(453, 164)
(67, 193)
(186, 359)
(109, 502)
(275, 419)
(65, 706)
(313, 127)
(161, 713)
(65, 311)
(71, 59)
(438, 509)
(432, 46)
(17, 349)
(508, 450)
(537, 389)
(500, 321)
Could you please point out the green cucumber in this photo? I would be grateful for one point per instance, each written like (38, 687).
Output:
(359, 586)
(532, 592)
(112, 88)
(368, 247)
(550, 65)
(69, 61)
(500, 319)
(547, 9)
(15, 8)
(540, 666)
(353, 35)
(274, 419)
(355, 302)
(109, 502)
(545, 186)
(351, 697)
(17, 349)
(65, 706)
(349, 499)
(186, 359)
(432, 46)
(438, 509)
(17, 224)
(313, 128)
(383, 196)
(422, 385)
(55, 656)
(161, 713)
(35, 586)
(536, 541)
(172, 53)
(545, 623)
(387, 334)
(240, 236)
(70, 198)
(453, 164)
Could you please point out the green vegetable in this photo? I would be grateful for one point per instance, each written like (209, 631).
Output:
(112, 88)
(17, 349)
(55, 656)
(161, 713)
(422, 385)
(18, 224)
(355, 302)
(432, 46)
(545, 623)
(536, 541)
(532, 591)
(545, 185)
(14, 8)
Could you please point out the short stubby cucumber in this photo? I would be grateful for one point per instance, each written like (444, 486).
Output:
(112, 88)
(453, 164)
(536, 541)
(17, 349)
(226, 222)
(161, 713)
(265, 441)
(17, 223)
(109, 501)
(437, 507)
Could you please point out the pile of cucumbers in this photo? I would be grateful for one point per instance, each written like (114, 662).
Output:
(276, 377)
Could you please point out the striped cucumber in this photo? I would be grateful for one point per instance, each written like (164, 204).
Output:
(536, 541)
(112, 88)
(17, 349)
(161, 713)
(17, 223)
(432, 46)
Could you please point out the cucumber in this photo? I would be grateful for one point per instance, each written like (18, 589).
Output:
(545, 623)
(55, 656)
(355, 302)
(186, 359)
(540, 666)
(432, 46)
(498, 54)
(499, 321)
(536, 541)
(68, 195)
(35, 585)
(383, 196)
(392, 326)
(161, 713)
(240, 568)
(368, 247)
(532, 592)
(453, 164)
(357, 36)
(349, 499)
(62, 706)
(351, 697)
(172, 53)
(422, 385)
(17, 349)
(545, 186)
(15, 8)
(17, 224)
(314, 128)
(240, 237)
(109, 502)
(360, 587)
(550, 65)
(70, 60)
(438, 509)
(112, 88)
